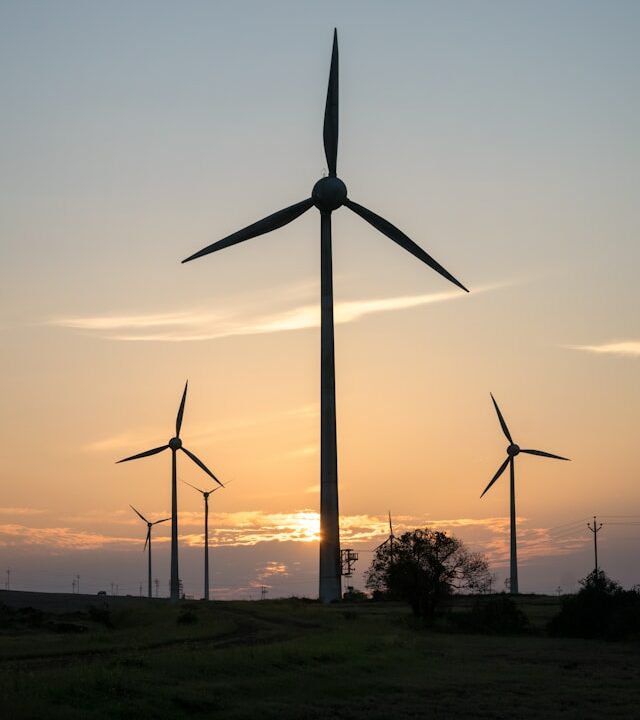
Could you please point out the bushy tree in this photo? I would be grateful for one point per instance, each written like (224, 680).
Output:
(601, 608)
(423, 567)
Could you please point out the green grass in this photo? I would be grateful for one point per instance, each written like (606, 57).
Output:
(292, 659)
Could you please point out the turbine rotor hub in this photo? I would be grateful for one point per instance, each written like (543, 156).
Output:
(329, 193)
(513, 450)
(175, 443)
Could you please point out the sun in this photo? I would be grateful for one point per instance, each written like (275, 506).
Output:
(304, 526)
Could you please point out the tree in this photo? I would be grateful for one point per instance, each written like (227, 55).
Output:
(423, 567)
(601, 608)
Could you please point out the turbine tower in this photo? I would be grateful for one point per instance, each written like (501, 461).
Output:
(148, 540)
(205, 495)
(328, 194)
(174, 445)
(512, 451)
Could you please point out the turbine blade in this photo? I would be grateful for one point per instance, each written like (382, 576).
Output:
(545, 454)
(392, 232)
(193, 486)
(199, 462)
(139, 514)
(330, 129)
(501, 469)
(181, 410)
(503, 424)
(146, 453)
(271, 222)
(159, 521)
(147, 540)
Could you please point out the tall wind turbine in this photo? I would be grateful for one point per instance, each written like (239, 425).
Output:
(205, 494)
(328, 194)
(512, 451)
(174, 445)
(147, 542)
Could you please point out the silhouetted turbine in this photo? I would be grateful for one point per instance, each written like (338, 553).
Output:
(148, 540)
(174, 445)
(389, 540)
(328, 194)
(205, 494)
(512, 451)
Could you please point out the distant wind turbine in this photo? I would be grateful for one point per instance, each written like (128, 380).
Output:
(147, 542)
(390, 539)
(205, 494)
(174, 445)
(328, 194)
(512, 451)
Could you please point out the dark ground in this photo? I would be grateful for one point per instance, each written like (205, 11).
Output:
(292, 659)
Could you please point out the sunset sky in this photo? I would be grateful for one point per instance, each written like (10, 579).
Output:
(501, 137)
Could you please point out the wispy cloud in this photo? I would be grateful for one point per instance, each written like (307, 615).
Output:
(273, 569)
(197, 325)
(252, 527)
(116, 322)
(57, 538)
(21, 511)
(627, 348)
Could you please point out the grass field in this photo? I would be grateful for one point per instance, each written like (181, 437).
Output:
(295, 659)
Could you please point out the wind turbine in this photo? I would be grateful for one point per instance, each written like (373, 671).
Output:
(512, 451)
(390, 539)
(174, 445)
(148, 540)
(205, 494)
(328, 194)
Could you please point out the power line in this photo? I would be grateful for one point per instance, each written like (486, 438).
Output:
(573, 522)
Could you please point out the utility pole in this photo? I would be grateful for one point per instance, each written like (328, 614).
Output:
(140, 589)
(348, 559)
(595, 530)
(263, 592)
(73, 586)
(157, 582)
(112, 586)
(78, 583)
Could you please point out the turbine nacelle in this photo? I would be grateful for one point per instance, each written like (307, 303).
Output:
(513, 450)
(329, 193)
(175, 443)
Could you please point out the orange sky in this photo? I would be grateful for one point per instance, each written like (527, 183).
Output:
(515, 168)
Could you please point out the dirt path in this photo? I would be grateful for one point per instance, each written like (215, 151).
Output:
(251, 629)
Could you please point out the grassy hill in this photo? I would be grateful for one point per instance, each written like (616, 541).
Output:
(286, 659)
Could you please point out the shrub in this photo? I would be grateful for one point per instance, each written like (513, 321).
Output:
(601, 609)
(101, 615)
(495, 615)
(187, 617)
